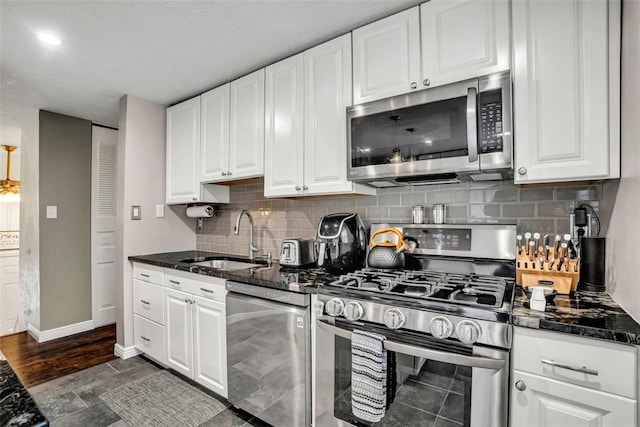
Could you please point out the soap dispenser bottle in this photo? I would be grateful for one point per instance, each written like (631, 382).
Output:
(537, 301)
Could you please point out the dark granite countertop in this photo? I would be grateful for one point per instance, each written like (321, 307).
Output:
(290, 279)
(590, 314)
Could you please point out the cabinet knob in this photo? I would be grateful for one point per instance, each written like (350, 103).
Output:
(224, 174)
(228, 173)
(414, 85)
(298, 188)
(426, 82)
(305, 188)
(195, 198)
(522, 171)
(520, 385)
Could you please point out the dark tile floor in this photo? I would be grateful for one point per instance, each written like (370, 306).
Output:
(73, 400)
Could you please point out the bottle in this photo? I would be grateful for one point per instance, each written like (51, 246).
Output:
(537, 301)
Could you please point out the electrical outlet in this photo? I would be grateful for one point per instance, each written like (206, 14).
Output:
(159, 211)
(136, 213)
(52, 212)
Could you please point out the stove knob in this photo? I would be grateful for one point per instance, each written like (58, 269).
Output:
(353, 311)
(334, 307)
(441, 327)
(468, 331)
(394, 318)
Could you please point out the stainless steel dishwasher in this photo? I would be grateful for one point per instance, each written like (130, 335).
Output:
(269, 353)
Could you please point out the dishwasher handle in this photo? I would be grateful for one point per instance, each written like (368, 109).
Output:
(265, 305)
(266, 293)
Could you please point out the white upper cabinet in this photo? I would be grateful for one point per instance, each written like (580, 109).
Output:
(305, 131)
(462, 39)
(214, 157)
(246, 132)
(386, 57)
(183, 150)
(284, 137)
(566, 90)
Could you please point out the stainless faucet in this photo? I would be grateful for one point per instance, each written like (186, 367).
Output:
(236, 230)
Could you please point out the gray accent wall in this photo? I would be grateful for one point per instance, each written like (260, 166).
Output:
(65, 242)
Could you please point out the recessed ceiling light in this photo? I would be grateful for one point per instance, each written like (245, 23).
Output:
(49, 39)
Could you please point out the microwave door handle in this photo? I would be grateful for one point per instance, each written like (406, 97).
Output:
(441, 356)
(472, 124)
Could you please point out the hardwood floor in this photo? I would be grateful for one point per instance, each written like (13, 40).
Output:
(36, 363)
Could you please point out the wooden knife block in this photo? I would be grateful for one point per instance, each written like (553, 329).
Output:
(529, 273)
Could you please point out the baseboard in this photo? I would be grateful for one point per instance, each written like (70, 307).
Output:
(125, 352)
(61, 332)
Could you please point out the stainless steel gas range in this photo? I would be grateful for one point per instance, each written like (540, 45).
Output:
(445, 323)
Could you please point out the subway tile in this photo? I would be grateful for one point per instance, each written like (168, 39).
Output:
(484, 211)
(542, 226)
(410, 199)
(501, 195)
(476, 196)
(378, 213)
(562, 226)
(401, 213)
(366, 201)
(535, 194)
(578, 193)
(461, 196)
(555, 209)
(445, 197)
(389, 200)
(522, 210)
(455, 212)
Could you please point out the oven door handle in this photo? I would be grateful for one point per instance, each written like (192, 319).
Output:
(472, 124)
(440, 356)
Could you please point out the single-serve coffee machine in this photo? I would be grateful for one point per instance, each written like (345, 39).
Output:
(342, 242)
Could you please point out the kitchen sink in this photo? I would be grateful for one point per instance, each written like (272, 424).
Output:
(225, 263)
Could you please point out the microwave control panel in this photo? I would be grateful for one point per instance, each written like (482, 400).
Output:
(490, 140)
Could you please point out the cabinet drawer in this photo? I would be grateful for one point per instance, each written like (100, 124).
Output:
(537, 351)
(196, 284)
(148, 301)
(149, 338)
(148, 273)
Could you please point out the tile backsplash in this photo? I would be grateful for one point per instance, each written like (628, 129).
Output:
(541, 209)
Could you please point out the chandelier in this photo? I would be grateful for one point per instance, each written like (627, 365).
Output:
(9, 186)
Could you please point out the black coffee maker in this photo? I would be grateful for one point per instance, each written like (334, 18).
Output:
(342, 242)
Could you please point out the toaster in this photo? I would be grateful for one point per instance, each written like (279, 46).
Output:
(297, 252)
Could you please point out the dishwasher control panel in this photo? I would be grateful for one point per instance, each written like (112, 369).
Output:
(285, 297)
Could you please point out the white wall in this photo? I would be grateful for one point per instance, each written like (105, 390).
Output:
(623, 257)
(141, 181)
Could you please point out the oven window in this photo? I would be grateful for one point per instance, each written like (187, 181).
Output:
(429, 131)
(428, 393)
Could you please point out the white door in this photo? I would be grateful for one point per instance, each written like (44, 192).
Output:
(327, 94)
(179, 331)
(462, 39)
(210, 350)
(9, 292)
(386, 57)
(561, 95)
(284, 133)
(246, 132)
(183, 151)
(103, 225)
(214, 147)
(549, 403)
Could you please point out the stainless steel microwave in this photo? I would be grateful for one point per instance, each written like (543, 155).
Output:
(452, 133)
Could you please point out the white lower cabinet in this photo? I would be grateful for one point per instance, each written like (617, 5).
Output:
(567, 380)
(195, 333)
(148, 311)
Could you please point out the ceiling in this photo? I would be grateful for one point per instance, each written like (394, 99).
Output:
(163, 51)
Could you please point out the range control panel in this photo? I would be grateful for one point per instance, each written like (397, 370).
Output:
(490, 123)
(449, 239)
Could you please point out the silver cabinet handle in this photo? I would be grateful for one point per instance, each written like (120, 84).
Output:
(298, 188)
(414, 85)
(206, 290)
(144, 275)
(520, 385)
(305, 188)
(228, 173)
(145, 302)
(186, 300)
(175, 282)
(143, 338)
(472, 124)
(224, 174)
(582, 369)
(522, 171)
(441, 356)
(426, 82)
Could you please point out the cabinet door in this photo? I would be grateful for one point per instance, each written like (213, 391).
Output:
(549, 403)
(183, 147)
(246, 133)
(179, 331)
(561, 90)
(210, 335)
(462, 39)
(386, 57)
(214, 156)
(327, 93)
(284, 151)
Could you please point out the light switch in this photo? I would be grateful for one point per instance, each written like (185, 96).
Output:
(136, 212)
(159, 211)
(52, 212)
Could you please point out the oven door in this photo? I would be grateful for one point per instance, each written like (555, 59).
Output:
(433, 131)
(438, 383)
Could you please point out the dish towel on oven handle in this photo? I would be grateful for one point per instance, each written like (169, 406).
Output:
(369, 370)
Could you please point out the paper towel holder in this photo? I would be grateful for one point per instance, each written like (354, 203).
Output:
(200, 220)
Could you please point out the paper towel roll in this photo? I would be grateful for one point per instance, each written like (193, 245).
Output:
(200, 211)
